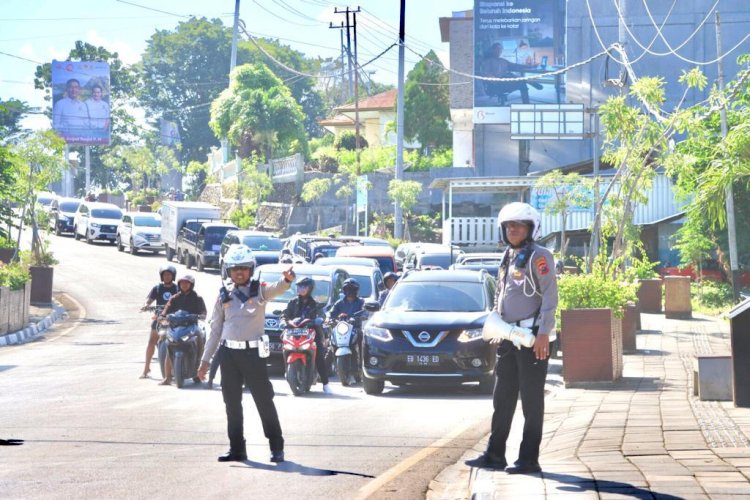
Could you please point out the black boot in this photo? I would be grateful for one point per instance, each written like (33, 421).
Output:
(235, 454)
(277, 456)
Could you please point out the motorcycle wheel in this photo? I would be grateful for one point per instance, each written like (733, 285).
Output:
(163, 353)
(294, 375)
(342, 369)
(179, 370)
(372, 386)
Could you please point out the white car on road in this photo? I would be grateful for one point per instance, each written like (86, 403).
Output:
(96, 221)
(139, 231)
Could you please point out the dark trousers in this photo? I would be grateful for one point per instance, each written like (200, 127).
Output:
(240, 367)
(320, 357)
(518, 371)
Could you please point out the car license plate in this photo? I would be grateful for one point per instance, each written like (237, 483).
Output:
(275, 346)
(422, 359)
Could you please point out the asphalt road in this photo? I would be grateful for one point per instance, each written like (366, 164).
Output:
(93, 429)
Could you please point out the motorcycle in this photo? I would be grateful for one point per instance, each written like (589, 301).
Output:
(346, 338)
(299, 351)
(178, 339)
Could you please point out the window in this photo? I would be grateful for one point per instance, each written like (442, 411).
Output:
(262, 243)
(68, 206)
(438, 296)
(106, 213)
(147, 221)
(321, 292)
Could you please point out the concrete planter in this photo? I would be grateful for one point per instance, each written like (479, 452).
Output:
(14, 308)
(144, 208)
(629, 328)
(6, 254)
(593, 346)
(649, 295)
(677, 302)
(41, 284)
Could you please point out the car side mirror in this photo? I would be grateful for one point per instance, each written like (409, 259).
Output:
(372, 306)
(277, 312)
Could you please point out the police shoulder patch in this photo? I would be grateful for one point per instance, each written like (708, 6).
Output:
(541, 266)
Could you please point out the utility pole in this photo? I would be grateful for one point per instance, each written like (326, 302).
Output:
(397, 214)
(346, 26)
(232, 64)
(594, 134)
(728, 193)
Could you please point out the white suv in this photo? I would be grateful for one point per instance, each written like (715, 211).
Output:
(139, 231)
(96, 221)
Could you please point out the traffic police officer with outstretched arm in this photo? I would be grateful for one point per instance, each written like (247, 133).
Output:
(237, 329)
(526, 297)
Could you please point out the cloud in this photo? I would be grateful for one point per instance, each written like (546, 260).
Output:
(27, 50)
(127, 54)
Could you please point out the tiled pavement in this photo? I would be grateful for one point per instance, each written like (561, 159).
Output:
(645, 436)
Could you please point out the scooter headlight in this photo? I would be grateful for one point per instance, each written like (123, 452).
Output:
(470, 335)
(378, 333)
(342, 328)
(185, 338)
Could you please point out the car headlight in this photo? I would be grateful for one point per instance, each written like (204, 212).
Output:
(94, 224)
(470, 335)
(378, 333)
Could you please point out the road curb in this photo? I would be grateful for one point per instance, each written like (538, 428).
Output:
(36, 329)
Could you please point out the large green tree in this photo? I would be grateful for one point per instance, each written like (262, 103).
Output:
(257, 113)
(123, 83)
(426, 105)
(11, 112)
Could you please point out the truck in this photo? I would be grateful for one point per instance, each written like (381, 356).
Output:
(199, 243)
(174, 215)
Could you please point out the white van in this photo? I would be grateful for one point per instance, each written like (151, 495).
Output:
(139, 231)
(96, 221)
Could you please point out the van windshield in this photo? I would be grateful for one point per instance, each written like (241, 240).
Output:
(146, 221)
(69, 206)
(106, 213)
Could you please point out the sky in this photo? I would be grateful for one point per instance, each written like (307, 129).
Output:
(37, 31)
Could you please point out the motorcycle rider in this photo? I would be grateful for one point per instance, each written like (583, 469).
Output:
(526, 296)
(389, 280)
(185, 300)
(305, 306)
(237, 325)
(160, 293)
(347, 306)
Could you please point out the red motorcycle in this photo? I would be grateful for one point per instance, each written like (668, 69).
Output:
(299, 351)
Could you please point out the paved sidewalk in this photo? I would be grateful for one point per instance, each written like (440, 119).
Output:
(645, 436)
(40, 319)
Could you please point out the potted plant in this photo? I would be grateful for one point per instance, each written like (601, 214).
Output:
(592, 306)
(7, 249)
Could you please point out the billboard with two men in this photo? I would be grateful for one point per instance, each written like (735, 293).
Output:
(521, 40)
(80, 101)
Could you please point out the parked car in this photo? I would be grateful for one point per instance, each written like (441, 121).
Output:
(201, 247)
(431, 256)
(96, 221)
(346, 261)
(174, 217)
(266, 247)
(62, 212)
(364, 240)
(430, 331)
(384, 255)
(370, 280)
(490, 262)
(328, 283)
(139, 231)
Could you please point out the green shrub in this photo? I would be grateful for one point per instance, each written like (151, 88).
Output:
(6, 242)
(348, 140)
(14, 275)
(319, 142)
(712, 298)
(591, 291)
(244, 218)
(325, 159)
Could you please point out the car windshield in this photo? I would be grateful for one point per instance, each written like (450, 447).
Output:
(147, 221)
(439, 296)
(436, 259)
(326, 251)
(106, 213)
(262, 243)
(321, 293)
(214, 235)
(385, 263)
(365, 285)
(44, 201)
(69, 206)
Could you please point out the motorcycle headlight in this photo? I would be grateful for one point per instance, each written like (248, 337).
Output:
(470, 335)
(342, 328)
(94, 224)
(378, 333)
(185, 338)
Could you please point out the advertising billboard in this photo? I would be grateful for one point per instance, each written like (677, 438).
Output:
(169, 133)
(80, 101)
(517, 39)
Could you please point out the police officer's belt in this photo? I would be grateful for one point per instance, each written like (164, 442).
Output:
(240, 344)
(526, 323)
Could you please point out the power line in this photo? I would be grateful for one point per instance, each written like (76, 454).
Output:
(281, 18)
(151, 8)
(19, 57)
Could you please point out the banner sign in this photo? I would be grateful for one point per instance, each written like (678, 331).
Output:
(362, 185)
(80, 101)
(517, 39)
(169, 133)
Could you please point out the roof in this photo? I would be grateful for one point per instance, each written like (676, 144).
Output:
(383, 101)
(337, 121)
(442, 275)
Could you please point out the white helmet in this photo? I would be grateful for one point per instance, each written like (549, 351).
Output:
(519, 212)
(239, 256)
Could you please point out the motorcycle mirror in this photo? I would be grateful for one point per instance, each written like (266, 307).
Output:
(372, 306)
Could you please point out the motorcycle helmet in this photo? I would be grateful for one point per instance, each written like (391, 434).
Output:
(350, 286)
(306, 282)
(189, 278)
(167, 268)
(239, 256)
(390, 276)
(519, 212)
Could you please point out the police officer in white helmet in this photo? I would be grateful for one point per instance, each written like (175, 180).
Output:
(237, 326)
(527, 297)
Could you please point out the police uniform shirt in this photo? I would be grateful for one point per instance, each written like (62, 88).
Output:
(161, 293)
(238, 320)
(524, 290)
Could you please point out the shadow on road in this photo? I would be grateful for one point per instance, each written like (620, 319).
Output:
(6, 367)
(578, 484)
(293, 467)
